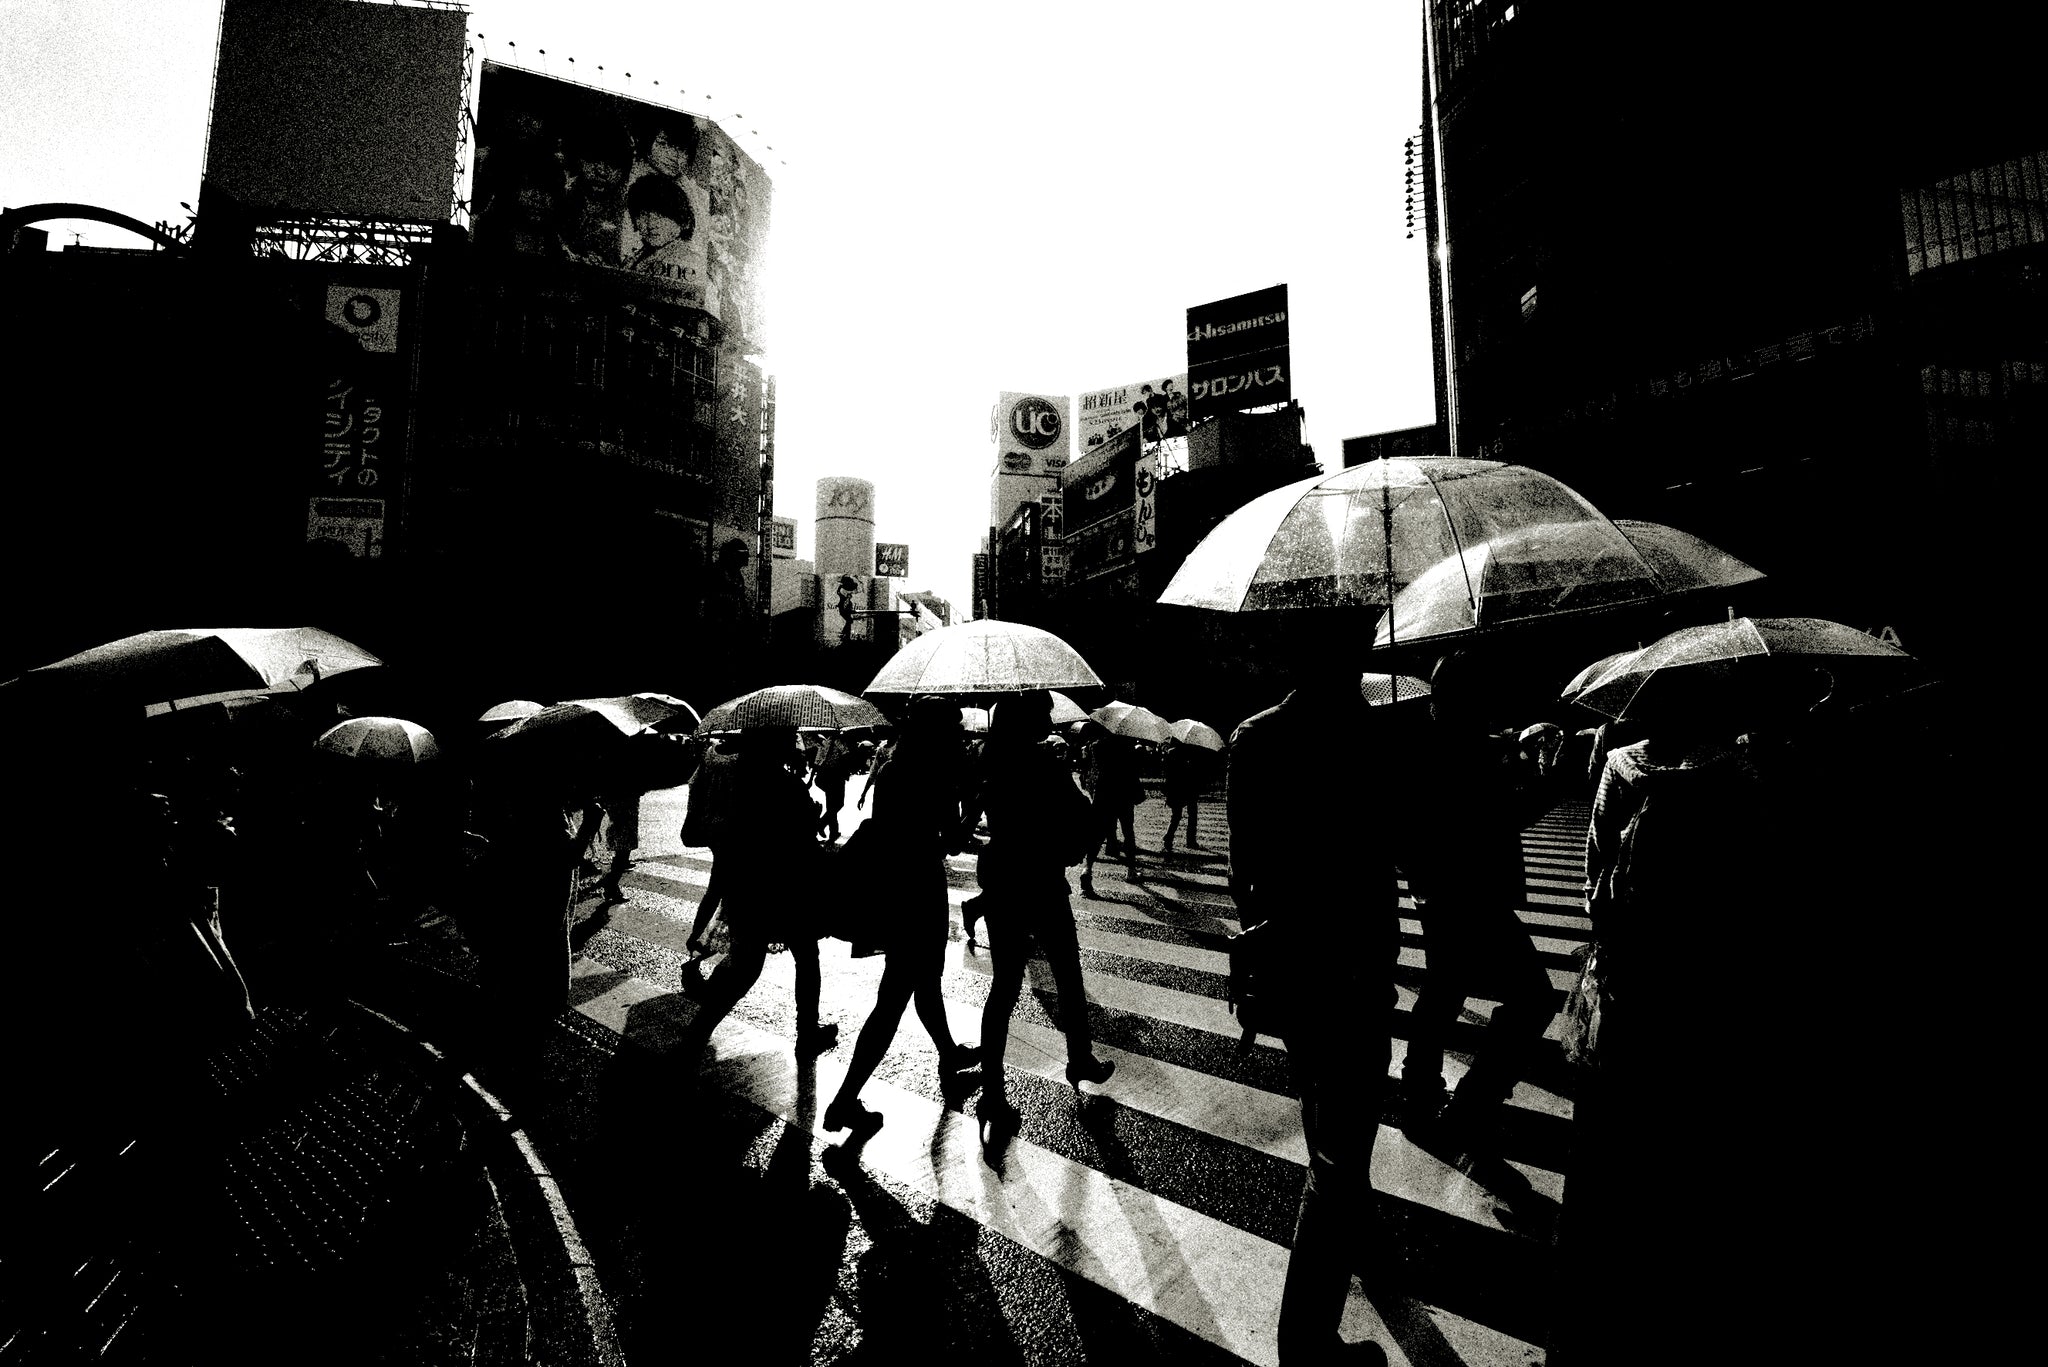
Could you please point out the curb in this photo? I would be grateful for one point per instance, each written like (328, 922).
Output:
(578, 1285)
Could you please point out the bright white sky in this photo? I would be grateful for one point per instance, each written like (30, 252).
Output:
(977, 197)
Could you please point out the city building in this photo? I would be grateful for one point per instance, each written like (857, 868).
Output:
(1776, 279)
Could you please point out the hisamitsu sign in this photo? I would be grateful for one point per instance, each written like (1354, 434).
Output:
(1238, 353)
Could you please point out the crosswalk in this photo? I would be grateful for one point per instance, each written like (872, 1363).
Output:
(1175, 1186)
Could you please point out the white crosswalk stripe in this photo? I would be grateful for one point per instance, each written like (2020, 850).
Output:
(1169, 1256)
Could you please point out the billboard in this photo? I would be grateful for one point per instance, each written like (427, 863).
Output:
(1100, 549)
(782, 537)
(1031, 432)
(1101, 484)
(1157, 408)
(575, 174)
(364, 414)
(1238, 354)
(334, 107)
(892, 560)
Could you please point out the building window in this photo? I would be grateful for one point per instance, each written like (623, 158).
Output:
(1981, 212)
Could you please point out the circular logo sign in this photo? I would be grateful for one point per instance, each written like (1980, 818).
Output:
(362, 311)
(1034, 422)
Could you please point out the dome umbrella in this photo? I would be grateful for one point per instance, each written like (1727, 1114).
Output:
(387, 740)
(506, 713)
(980, 657)
(1553, 569)
(1857, 664)
(807, 707)
(187, 667)
(1188, 731)
(1132, 722)
(1590, 673)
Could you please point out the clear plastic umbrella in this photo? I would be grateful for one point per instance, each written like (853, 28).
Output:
(984, 657)
(1065, 711)
(1132, 721)
(1354, 538)
(807, 707)
(1380, 689)
(1859, 662)
(1592, 672)
(1188, 731)
(1553, 568)
(391, 740)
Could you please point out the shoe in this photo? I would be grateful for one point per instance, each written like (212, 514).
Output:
(848, 1114)
(970, 917)
(998, 1118)
(960, 1058)
(816, 1039)
(1095, 1070)
(611, 892)
(1088, 887)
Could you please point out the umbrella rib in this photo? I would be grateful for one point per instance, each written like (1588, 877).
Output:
(1457, 545)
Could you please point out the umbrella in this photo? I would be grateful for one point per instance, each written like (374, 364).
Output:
(974, 718)
(1853, 658)
(1378, 689)
(1550, 568)
(1353, 538)
(984, 657)
(1191, 732)
(186, 667)
(1590, 673)
(1065, 711)
(808, 707)
(387, 739)
(1132, 721)
(516, 710)
(569, 742)
(659, 710)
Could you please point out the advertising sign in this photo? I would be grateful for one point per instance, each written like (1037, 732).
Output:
(1157, 408)
(1102, 483)
(334, 107)
(1145, 532)
(892, 560)
(1237, 353)
(368, 315)
(575, 174)
(1100, 549)
(1052, 515)
(1032, 434)
(782, 537)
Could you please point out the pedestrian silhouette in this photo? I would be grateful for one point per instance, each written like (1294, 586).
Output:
(1111, 767)
(1187, 772)
(1326, 898)
(917, 821)
(1039, 822)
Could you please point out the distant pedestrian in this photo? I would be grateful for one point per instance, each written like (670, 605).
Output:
(1111, 768)
(1039, 822)
(1464, 866)
(704, 827)
(1187, 772)
(1318, 873)
(766, 858)
(918, 819)
(830, 772)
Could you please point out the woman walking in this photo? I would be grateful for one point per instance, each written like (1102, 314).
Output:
(917, 821)
(766, 846)
(1115, 790)
(1039, 822)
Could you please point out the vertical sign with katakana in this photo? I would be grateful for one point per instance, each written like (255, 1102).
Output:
(359, 437)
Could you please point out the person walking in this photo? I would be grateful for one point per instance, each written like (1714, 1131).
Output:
(1464, 866)
(830, 772)
(704, 827)
(1111, 767)
(1039, 822)
(1187, 773)
(767, 852)
(1328, 903)
(919, 795)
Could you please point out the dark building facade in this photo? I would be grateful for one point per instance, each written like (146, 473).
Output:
(1773, 278)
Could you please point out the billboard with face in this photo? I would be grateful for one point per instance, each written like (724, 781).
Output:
(1157, 408)
(575, 174)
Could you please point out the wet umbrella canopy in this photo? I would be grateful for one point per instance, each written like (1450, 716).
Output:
(186, 667)
(805, 707)
(1552, 568)
(1191, 732)
(515, 710)
(1354, 538)
(1857, 662)
(387, 739)
(659, 710)
(1378, 689)
(984, 657)
(1131, 721)
(1065, 711)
